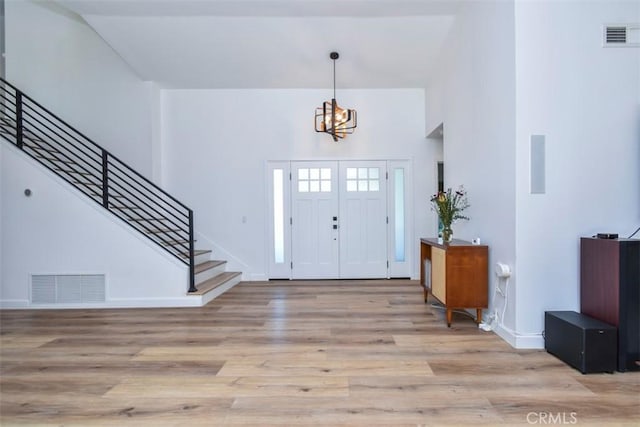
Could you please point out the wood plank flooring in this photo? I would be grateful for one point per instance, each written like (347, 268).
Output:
(291, 353)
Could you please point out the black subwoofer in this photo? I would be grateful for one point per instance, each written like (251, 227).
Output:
(587, 344)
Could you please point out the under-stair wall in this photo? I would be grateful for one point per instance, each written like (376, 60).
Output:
(57, 231)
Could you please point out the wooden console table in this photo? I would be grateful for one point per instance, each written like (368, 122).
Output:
(457, 274)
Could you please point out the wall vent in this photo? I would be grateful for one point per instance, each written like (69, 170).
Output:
(622, 35)
(67, 288)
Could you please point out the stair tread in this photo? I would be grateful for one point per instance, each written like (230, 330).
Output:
(28, 139)
(166, 230)
(207, 265)
(173, 242)
(90, 184)
(43, 149)
(124, 207)
(196, 252)
(214, 282)
(72, 171)
(111, 196)
(53, 159)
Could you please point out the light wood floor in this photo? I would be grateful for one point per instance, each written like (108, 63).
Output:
(289, 353)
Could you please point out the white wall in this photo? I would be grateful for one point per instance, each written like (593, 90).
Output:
(2, 214)
(59, 231)
(216, 144)
(585, 99)
(473, 94)
(57, 59)
(512, 69)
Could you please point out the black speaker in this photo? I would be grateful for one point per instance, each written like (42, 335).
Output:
(587, 344)
(610, 291)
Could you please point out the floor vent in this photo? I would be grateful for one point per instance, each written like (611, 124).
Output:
(623, 35)
(67, 288)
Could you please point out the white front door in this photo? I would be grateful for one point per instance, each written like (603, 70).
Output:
(339, 219)
(363, 219)
(314, 220)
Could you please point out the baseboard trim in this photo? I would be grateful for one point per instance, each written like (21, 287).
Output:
(14, 303)
(186, 301)
(520, 341)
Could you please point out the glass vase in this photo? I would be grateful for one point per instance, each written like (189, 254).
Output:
(447, 234)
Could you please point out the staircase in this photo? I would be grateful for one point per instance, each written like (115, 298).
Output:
(111, 183)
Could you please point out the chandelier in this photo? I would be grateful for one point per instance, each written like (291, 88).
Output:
(330, 118)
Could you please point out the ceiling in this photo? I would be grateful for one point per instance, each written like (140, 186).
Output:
(274, 43)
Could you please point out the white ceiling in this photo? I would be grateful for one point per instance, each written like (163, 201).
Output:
(274, 43)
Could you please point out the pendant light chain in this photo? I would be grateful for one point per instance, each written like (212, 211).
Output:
(334, 79)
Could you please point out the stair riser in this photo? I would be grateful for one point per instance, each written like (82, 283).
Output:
(209, 296)
(208, 274)
(202, 258)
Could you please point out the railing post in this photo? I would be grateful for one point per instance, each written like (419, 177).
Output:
(105, 179)
(19, 139)
(192, 261)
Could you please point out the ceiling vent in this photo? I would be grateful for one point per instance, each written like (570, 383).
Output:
(622, 35)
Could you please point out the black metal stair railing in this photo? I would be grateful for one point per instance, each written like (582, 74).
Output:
(98, 174)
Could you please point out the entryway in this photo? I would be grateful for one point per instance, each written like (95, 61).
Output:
(338, 219)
